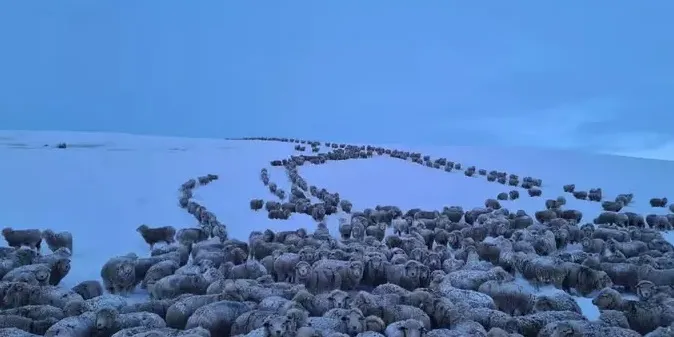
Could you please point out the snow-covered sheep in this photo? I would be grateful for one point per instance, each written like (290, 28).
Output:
(76, 326)
(351, 271)
(508, 297)
(558, 301)
(22, 237)
(284, 266)
(174, 285)
(56, 240)
(119, 274)
(406, 328)
(217, 317)
(158, 271)
(109, 321)
(40, 272)
(89, 289)
(190, 236)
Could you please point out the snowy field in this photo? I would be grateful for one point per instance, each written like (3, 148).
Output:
(103, 186)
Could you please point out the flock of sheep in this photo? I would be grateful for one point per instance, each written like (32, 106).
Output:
(387, 272)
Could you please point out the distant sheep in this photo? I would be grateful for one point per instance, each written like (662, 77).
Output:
(153, 236)
(534, 192)
(256, 204)
(658, 202)
(58, 240)
(22, 237)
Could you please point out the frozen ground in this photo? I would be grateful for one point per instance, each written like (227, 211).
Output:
(104, 185)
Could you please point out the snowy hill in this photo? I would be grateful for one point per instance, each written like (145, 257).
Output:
(102, 186)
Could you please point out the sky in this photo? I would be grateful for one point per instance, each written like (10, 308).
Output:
(589, 75)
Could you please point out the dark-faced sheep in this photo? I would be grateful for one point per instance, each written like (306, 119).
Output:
(153, 236)
(658, 202)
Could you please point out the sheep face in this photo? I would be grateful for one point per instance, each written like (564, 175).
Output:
(411, 269)
(356, 269)
(42, 276)
(340, 299)
(105, 319)
(276, 326)
(563, 329)
(302, 269)
(353, 322)
(645, 290)
(607, 299)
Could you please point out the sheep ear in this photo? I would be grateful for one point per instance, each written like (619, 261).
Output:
(266, 324)
(344, 318)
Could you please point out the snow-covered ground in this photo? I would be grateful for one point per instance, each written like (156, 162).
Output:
(103, 186)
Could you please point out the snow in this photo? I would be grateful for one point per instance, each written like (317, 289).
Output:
(103, 186)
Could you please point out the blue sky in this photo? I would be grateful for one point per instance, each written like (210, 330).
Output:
(595, 75)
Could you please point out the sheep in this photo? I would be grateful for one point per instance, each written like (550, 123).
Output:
(36, 312)
(180, 310)
(250, 269)
(558, 301)
(181, 251)
(406, 328)
(58, 240)
(76, 326)
(612, 206)
(272, 324)
(400, 312)
(39, 272)
(530, 325)
(585, 280)
(534, 192)
(658, 202)
(220, 231)
(174, 285)
(581, 195)
(256, 204)
(508, 297)
(344, 228)
(158, 271)
(22, 237)
(405, 275)
(190, 236)
(119, 274)
(345, 205)
(352, 321)
(284, 266)
(614, 318)
(609, 299)
(584, 328)
(89, 289)
(217, 317)
(492, 203)
(109, 321)
(351, 272)
(319, 278)
(472, 279)
(154, 235)
(570, 188)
